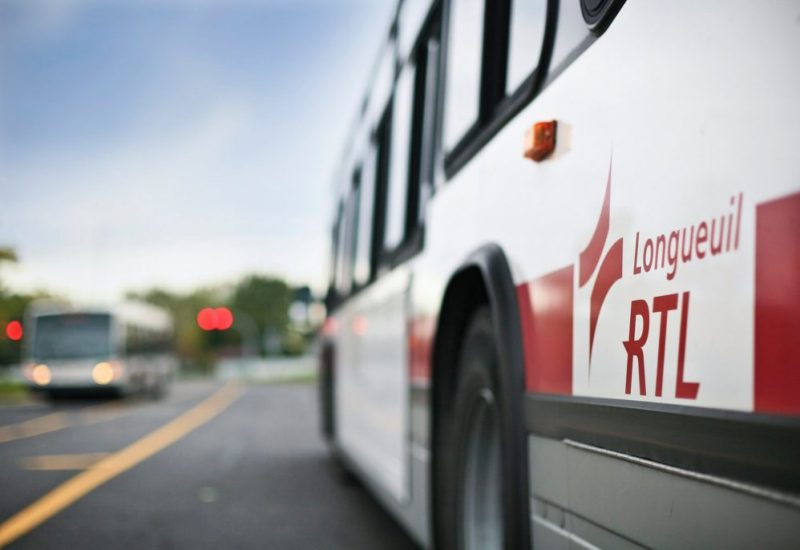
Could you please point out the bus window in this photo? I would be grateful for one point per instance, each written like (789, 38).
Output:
(133, 342)
(409, 21)
(343, 275)
(526, 34)
(353, 217)
(410, 167)
(463, 80)
(399, 160)
(334, 260)
(382, 83)
(363, 251)
(142, 340)
(424, 127)
(72, 336)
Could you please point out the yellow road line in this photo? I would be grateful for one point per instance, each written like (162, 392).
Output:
(75, 488)
(61, 462)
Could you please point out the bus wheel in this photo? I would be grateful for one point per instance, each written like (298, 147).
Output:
(472, 502)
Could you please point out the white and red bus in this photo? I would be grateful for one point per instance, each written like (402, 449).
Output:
(565, 284)
(123, 349)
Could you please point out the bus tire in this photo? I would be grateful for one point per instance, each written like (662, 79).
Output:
(49, 395)
(476, 508)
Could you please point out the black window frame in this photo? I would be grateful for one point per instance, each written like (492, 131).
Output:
(421, 146)
(382, 140)
(346, 222)
(599, 15)
(344, 279)
(355, 230)
(332, 296)
(423, 141)
(387, 254)
(496, 107)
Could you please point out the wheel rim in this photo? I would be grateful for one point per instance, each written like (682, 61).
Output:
(481, 515)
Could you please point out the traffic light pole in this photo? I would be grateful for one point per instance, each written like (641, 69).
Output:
(248, 332)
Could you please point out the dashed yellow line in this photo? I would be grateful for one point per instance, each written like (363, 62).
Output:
(54, 422)
(108, 468)
(36, 426)
(61, 462)
(59, 420)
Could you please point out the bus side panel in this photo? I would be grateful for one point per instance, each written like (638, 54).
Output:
(675, 129)
(372, 383)
(665, 157)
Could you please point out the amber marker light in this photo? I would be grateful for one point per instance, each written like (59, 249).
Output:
(540, 141)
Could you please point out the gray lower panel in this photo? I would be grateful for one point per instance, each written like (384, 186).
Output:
(584, 496)
(554, 527)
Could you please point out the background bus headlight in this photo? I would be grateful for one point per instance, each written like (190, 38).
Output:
(104, 373)
(40, 375)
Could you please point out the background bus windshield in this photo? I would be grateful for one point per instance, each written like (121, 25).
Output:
(72, 336)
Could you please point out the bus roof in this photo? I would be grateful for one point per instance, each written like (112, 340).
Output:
(139, 313)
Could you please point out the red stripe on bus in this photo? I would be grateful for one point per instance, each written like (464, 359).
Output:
(777, 307)
(590, 256)
(546, 316)
(420, 347)
(610, 272)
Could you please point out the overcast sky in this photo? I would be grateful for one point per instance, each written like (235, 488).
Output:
(174, 143)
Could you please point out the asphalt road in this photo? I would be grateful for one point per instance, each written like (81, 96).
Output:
(206, 467)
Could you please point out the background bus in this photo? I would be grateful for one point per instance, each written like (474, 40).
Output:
(125, 349)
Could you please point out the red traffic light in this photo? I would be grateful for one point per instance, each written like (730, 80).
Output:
(14, 331)
(207, 319)
(224, 318)
(220, 318)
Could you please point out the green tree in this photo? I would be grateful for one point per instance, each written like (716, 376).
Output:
(12, 308)
(266, 300)
(8, 255)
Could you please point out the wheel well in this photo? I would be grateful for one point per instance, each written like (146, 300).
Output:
(485, 280)
(465, 294)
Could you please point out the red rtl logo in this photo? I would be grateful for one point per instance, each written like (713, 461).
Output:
(608, 267)
(634, 346)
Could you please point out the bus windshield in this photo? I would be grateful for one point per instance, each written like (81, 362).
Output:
(72, 336)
